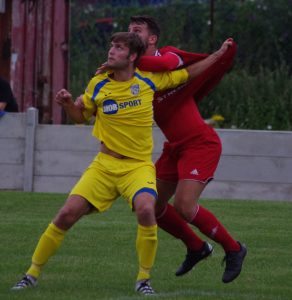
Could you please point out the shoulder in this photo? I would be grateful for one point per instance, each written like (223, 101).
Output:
(166, 49)
(148, 77)
(144, 74)
(186, 56)
(99, 77)
(98, 80)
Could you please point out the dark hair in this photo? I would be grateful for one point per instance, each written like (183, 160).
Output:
(150, 21)
(132, 41)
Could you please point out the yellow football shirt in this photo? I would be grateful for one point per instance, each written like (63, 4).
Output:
(124, 109)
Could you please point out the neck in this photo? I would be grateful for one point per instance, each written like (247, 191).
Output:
(151, 50)
(123, 75)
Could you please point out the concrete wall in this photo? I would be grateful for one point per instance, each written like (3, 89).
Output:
(51, 158)
(12, 148)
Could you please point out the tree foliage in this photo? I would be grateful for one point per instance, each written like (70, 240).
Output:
(255, 95)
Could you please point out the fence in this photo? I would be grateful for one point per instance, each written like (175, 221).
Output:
(50, 158)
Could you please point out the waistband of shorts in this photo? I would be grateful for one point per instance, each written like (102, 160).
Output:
(104, 149)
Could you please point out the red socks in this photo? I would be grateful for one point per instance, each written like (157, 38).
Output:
(171, 222)
(211, 227)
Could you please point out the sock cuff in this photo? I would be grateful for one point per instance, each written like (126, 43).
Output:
(147, 229)
(196, 210)
(144, 274)
(53, 227)
(162, 213)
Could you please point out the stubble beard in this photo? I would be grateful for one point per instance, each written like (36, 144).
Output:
(118, 66)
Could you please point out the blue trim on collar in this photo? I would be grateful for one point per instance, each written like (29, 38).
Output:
(98, 87)
(146, 80)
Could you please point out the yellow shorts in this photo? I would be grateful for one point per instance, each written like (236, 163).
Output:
(107, 178)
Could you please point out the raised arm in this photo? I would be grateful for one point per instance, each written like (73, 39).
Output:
(198, 68)
(64, 99)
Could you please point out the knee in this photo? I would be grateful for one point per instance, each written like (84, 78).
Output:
(144, 208)
(185, 209)
(181, 209)
(65, 218)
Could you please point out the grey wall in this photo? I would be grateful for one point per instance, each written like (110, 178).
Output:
(51, 158)
(12, 149)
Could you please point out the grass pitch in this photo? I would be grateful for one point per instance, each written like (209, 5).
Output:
(97, 259)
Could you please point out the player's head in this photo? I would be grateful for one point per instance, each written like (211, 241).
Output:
(147, 28)
(125, 49)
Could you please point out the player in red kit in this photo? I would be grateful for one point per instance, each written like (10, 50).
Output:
(192, 152)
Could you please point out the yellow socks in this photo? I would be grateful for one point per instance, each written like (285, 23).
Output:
(49, 242)
(146, 245)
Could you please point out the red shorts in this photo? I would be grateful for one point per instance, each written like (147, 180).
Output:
(196, 159)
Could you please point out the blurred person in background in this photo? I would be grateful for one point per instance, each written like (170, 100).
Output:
(7, 100)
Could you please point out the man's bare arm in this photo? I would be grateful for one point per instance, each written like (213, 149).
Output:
(64, 99)
(198, 68)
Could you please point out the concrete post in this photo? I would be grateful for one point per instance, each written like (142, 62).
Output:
(30, 132)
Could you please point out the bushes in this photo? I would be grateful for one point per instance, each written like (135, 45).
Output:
(253, 101)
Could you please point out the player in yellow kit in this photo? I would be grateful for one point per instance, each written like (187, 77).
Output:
(123, 101)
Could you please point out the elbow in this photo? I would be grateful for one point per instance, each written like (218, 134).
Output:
(167, 67)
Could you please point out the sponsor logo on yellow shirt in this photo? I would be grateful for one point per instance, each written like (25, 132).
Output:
(111, 106)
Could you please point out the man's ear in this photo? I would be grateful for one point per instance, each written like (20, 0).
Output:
(133, 57)
(152, 40)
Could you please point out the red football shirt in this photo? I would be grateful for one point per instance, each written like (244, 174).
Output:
(175, 111)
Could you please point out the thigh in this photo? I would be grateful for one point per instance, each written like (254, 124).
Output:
(97, 186)
(166, 166)
(199, 162)
(140, 179)
(165, 190)
(188, 192)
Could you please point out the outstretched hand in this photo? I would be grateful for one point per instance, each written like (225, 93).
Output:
(198, 68)
(226, 44)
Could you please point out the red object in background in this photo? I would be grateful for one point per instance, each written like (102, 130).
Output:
(5, 39)
(39, 54)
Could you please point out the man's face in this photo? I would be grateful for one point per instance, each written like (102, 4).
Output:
(142, 31)
(118, 56)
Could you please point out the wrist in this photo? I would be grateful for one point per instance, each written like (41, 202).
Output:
(69, 106)
(218, 53)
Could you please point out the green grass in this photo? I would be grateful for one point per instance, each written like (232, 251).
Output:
(98, 260)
